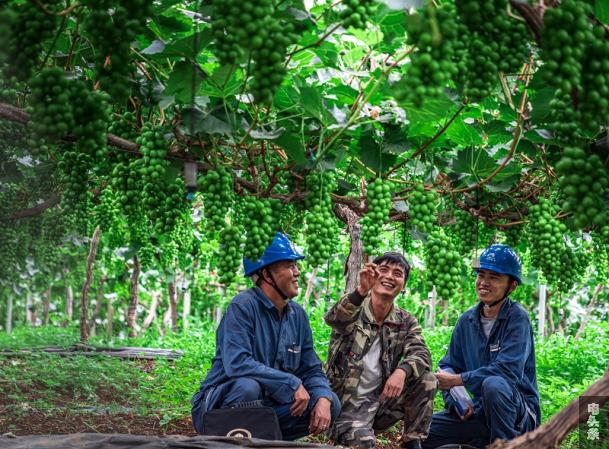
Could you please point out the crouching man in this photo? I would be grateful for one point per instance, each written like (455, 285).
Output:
(264, 352)
(378, 363)
(491, 354)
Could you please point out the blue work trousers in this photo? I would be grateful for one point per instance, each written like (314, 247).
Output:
(503, 415)
(244, 390)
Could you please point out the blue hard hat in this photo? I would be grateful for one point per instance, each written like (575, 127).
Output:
(500, 259)
(280, 249)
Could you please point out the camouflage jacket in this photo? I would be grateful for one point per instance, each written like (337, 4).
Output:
(353, 331)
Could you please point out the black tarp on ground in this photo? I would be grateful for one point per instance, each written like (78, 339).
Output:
(120, 441)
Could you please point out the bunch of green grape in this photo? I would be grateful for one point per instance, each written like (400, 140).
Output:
(593, 98)
(127, 184)
(466, 230)
(74, 168)
(378, 199)
(574, 264)
(9, 242)
(124, 126)
(238, 26)
(91, 112)
(217, 189)
(422, 210)
(356, 13)
(229, 260)
(30, 26)
(321, 230)
(8, 17)
(111, 27)
(433, 65)
(567, 36)
(50, 104)
(269, 69)
(169, 252)
(514, 235)
(106, 212)
(546, 237)
(583, 179)
(260, 218)
(496, 43)
(170, 202)
(443, 265)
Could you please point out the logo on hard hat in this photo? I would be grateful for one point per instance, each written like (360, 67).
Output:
(239, 433)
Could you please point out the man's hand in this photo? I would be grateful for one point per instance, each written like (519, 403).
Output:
(468, 413)
(367, 278)
(447, 380)
(394, 385)
(320, 416)
(301, 400)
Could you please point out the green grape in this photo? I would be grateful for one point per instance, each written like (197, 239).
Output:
(74, 168)
(124, 126)
(546, 238)
(91, 113)
(217, 189)
(583, 180)
(31, 26)
(422, 210)
(127, 184)
(229, 254)
(469, 232)
(356, 12)
(111, 26)
(433, 65)
(9, 242)
(237, 27)
(269, 69)
(378, 198)
(169, 255)
(50, 105)
(8, 17)
(496, 43)
(321, 226)
(514, 235)
(575, 53)
(443, 265)
(259, 218)
(574, 265)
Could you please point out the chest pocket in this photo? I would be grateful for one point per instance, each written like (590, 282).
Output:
(291, 360)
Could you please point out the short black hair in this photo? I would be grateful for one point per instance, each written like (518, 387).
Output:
(394, 258)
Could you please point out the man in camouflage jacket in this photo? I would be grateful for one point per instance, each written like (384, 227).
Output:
(378, 363)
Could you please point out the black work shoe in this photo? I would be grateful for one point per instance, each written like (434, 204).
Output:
(412, 444)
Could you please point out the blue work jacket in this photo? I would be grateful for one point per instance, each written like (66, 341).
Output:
(508, 352)
(254, 341)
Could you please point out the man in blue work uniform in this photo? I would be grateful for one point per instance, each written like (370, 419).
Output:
(264, 351)
(492, 354)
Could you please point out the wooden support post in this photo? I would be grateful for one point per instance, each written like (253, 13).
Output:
(134, 298)
(46, 305)
(582, 325)
(430, 316)
(186, 309)
(173, 305)
(9, 314)
(152, 311)
(541, 318)
(109, 317)
(84, 297)
(310, 288)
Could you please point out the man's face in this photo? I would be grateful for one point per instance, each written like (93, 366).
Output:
(286, 276)
(491, 286)
(390, 281)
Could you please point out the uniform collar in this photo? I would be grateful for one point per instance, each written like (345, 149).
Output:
(502, 315)
(267, 301)
(392, 317)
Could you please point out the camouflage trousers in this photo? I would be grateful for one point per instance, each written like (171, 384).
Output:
(360, 418)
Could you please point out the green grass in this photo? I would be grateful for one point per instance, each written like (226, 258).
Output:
(564, 367)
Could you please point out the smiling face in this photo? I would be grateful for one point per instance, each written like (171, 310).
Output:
(286, 276)
(391, 280)
(492, 286)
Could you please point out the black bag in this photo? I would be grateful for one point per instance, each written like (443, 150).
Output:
(247, 422)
